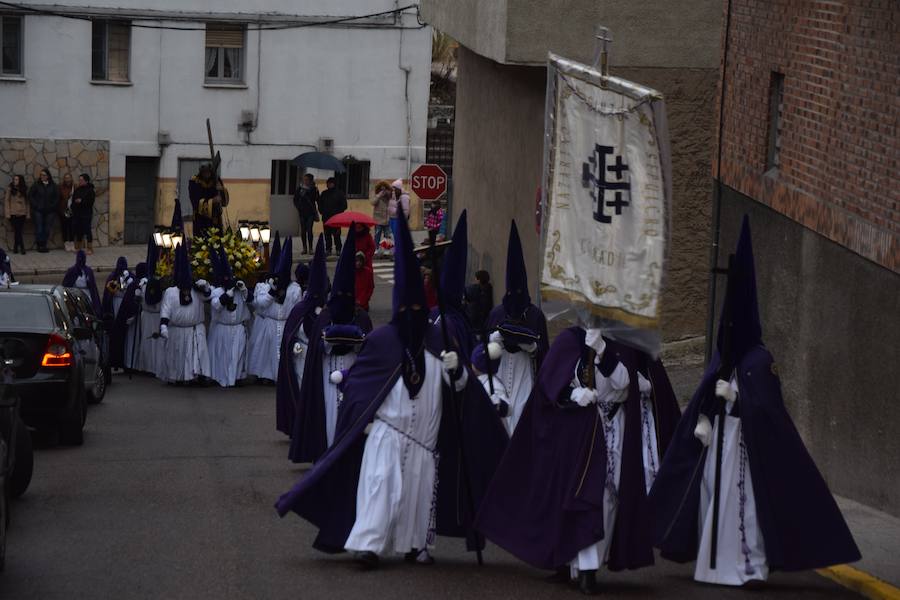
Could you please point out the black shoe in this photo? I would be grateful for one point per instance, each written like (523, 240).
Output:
(305, 250)
(366, 560)
(587, 583)
(418, 557)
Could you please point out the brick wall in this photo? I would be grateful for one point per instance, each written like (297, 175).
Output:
(839, 134)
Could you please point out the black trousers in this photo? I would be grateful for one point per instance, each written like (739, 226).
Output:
(306, 233)
(333, 234)
(18, 223)
(81, 223)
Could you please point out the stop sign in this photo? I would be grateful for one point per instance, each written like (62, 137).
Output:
(429, 182)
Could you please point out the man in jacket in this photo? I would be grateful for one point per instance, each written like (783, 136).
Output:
(305, 200)
(332, 202)
(44, 199)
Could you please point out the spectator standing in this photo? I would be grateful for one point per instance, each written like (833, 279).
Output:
(365, 243)
(434, 220)
(64, 211)
(82, 212)
(332, 202)
(306, 198)
(380, 203)
(479, 301)
(399, 199)
(365, 281)
(17, 209)
(44, 200)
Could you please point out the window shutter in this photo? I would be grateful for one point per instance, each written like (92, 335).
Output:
(224, 36)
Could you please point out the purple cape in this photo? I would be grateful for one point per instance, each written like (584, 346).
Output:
(69, 281)
(287, 391)
(457, 328)
(801, 524)
(326, 496)
(129, 308)
(534, 319)
(545, 503)
(308, 438)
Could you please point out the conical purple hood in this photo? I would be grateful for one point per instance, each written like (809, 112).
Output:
(183, 278)
(318, 274)
(516, 299)
(275, 254)
(409, 290)
(342, 300)
(740, 303)
(152, 257)
(285, 261)
(453, 267)
(177, 220)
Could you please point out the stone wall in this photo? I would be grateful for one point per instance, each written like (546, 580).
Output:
(27, 157)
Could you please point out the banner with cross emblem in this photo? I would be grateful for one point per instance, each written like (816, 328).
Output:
(607, 201)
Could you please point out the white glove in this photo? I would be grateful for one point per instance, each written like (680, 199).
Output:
(271, 282)
(336, 377)
(495, 350)
(230, 293)
(703, 430)
(164, 332)
(451, 361)
(584, 396)
(125, 274)
(202, 283)
(318, 309)
(495, 337)
(142, 282)
(298, 348)
(240, 285)
(129, 321)
(529, 348)
(139, 293)
(725, 391)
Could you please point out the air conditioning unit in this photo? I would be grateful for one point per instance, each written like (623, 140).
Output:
(163, 138)
(326, 145)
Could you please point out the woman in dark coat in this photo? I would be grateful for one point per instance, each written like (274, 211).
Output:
(82, 212)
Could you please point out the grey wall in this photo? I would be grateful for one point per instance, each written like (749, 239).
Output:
(832, 321)
(645, 34)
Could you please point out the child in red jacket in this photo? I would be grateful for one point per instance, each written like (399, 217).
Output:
(365, 281)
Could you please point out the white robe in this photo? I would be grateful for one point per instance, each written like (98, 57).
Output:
(612, 391)
(152, 349)
(331, 362)
(396, 480)
(186, 354)
(227, 339)
(732, 566)
(517, 374)
(268, 327)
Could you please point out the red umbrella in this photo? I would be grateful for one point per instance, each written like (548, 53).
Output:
(348, 217)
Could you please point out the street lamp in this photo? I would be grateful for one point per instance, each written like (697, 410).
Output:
(177, 239)
(167, 240)
(245, 230)
(254, 233)
(158, 238)
(265, 233)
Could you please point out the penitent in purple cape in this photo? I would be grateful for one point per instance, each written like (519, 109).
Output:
(326, 495)
(80, 269)
(453, 288)
(801, 524)
(130, 309)
(287, 392)
(557, 461)
(308, 437)
(516, 307)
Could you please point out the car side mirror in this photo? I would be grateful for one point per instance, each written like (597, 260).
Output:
(83, 333)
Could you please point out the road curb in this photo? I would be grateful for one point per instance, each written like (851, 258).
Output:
(861, 582)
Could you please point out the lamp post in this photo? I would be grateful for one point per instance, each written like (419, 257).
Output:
(254, 233)
(167, 240)
(244, 228)
(177, 239)
(265, 234)
(158, 238)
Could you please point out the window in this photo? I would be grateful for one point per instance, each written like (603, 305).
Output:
(776, 108)
(354, 182)
(11, 44)
(285, 178)
(110, 50)
(224, 53)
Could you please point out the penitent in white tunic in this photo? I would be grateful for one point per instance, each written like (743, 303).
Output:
(396, 480)
(517, 373)
(498, 395)
(268, 327)
(227, 339)
(331, 363)
(737, 560)
(152, 349)
(186, 355)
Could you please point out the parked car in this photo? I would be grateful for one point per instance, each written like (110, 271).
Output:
(40, 341)
(16, 458)
(96, 350)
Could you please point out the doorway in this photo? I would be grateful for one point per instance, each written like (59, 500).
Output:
(282, 214)
(140, 197)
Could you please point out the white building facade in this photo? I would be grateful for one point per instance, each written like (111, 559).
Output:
(123, 92)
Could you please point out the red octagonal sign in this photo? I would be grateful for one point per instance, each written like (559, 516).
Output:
(429, 182)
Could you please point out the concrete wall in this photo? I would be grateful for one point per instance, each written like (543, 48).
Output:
(645, 34)
(831, 318)
(302, 84)
(497, 166)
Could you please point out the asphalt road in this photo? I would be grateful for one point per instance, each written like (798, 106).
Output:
(171, 497)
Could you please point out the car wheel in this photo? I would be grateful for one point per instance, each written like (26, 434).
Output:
(24, 467)
(71, 429)
(95, 396)
(4, 524)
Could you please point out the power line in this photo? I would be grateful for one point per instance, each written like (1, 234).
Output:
(274, 27)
